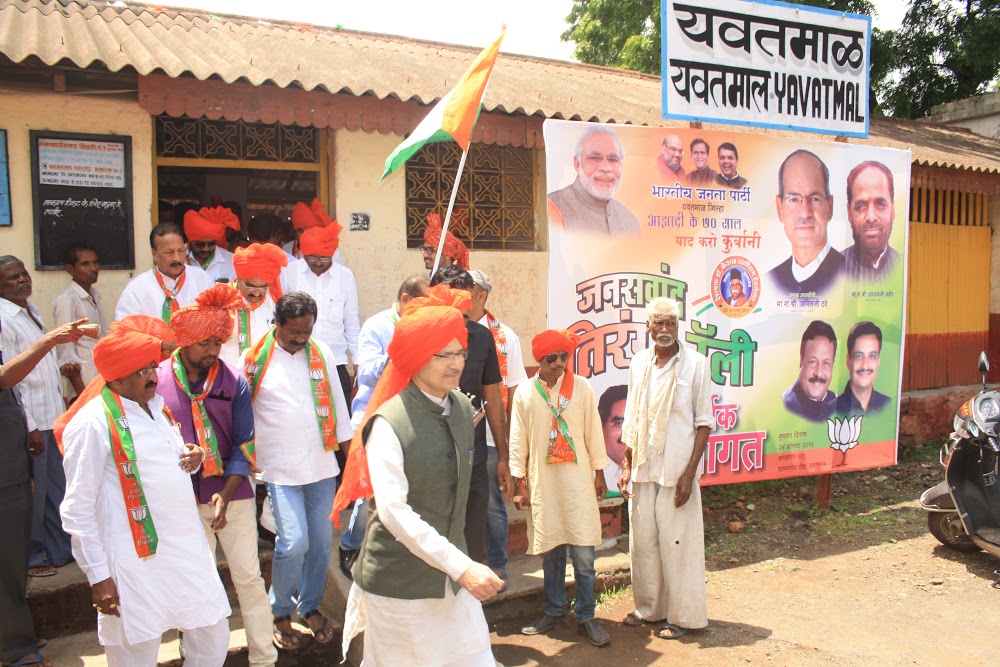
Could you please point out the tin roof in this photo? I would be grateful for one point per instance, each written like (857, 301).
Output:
(148, 39)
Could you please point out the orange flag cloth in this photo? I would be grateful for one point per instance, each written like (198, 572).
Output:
(209, 224)
(428, 324)
(211, 314)
(453, 247)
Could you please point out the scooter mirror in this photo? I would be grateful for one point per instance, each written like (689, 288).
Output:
(984, 364)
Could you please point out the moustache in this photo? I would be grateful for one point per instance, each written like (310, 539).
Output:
(818, 379)
(151, 384)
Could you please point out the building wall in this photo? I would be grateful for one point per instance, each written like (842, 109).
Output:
(379, 257)
(20, 113)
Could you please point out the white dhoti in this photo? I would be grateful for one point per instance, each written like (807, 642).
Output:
(667, 546)
(206, 646)
(431, 632)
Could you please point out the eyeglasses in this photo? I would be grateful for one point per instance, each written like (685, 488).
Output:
(318, 259)
(145, 372)
(448, 356)
(254, 288)
(560, 356)
(795, 199)
(428, 250)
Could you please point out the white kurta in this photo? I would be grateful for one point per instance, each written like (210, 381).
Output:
(336, 293)
(220, 267)
(433, 632)
(261, 320)
(563, 500)
(178, 587)
(143, 295)
(289, 442)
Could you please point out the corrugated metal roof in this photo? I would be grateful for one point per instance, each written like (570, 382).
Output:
(175, 42)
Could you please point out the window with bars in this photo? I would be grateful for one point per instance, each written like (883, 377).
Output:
(497, 189)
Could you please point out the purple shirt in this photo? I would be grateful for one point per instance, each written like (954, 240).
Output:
(229, 409)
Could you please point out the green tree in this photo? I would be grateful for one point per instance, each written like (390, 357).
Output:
(946, 50)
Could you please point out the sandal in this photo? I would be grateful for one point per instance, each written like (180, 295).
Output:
(671, 631)
(633, 620)
(41, 571)
(32, 659)
(286, 640)
(324, 633)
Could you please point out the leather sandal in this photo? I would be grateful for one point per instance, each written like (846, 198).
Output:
(671, 631)
(286, 640)
(324, 633)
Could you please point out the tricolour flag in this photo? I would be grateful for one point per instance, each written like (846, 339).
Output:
(454, 117)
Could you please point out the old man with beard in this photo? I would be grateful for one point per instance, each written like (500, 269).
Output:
(810, 397)
(588, 204)
(870, 209)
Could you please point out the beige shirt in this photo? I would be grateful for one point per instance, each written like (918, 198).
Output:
(72, 304)
(563, 501)
(582, 212)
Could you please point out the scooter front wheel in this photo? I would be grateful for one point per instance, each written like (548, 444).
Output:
(948, 529)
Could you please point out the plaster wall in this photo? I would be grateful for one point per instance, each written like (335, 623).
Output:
(19, 114)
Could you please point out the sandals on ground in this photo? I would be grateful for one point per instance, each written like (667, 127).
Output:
(324, 633)
(671, 631)
(286, 640)
(32, 659)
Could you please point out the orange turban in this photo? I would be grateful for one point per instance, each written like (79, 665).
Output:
(557, 340)
(134, 342)
(211, 314)
(209, 224)
(307, 216)
(428, 324)
(453, 247)
(322, 241)
(259, 260)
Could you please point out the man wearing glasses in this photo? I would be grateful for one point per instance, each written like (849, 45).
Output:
(557, 460)
(335, 291)
(588, 204)
(454, 251)
(257, 268)
(805, 207)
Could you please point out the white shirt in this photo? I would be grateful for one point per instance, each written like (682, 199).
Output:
(692, 408)
(802, 273)
(336, 295)
(42, 388)
(373, 354)
(260, 320)
(72, 304)
(143, 295)
(289, 442)
(515, 367)
(220, 267)
(178, 586)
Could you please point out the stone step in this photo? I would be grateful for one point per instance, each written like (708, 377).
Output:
(614, 518)
(61, 605)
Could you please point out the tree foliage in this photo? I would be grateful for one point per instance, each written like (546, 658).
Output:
(944, 51)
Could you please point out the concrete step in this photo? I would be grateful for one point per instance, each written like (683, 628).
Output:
(61, 605)
(614, 518)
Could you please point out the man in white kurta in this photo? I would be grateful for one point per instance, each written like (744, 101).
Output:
(80, 300)
(298, 461)
(257, 269)
(668, 416)
(177, 587)
(416, 593)
(205, 230)
(557, 460)
(170, 285)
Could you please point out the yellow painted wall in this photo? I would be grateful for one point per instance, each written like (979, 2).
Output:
(379, 257)
(20, 113)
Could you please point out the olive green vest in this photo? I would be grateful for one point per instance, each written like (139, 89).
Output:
(437, 461)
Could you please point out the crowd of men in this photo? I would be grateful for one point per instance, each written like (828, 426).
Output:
(225, 371)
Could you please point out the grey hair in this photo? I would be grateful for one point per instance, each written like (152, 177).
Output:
(662, 306)
(597, 129)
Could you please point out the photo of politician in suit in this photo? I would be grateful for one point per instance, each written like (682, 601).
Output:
(810, 397)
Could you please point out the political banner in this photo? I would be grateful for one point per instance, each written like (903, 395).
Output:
(766, 64)
(787, 259)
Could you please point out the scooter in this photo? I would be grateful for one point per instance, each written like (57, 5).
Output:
(963, 511)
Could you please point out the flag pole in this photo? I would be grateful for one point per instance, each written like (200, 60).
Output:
(451, 206)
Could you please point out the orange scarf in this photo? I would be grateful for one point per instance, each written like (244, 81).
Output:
(170, 305)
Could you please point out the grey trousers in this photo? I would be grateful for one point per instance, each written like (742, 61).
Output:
(17, 632)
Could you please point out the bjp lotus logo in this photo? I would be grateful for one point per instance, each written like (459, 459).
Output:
(503, 349)
(553, 434)
(208, 432)
(243, 339)
(844, 434)
(127, 469)
(139, 514)
(122, 423)
(316, 374)
(251, 369)
(323, 411)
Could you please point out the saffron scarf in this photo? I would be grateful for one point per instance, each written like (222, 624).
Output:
(255, 367)
(501, 342)
(561, 447)
(243, 322)
(123, 449)
(170, 305)
(207, 439)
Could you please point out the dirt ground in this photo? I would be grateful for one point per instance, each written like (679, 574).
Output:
(862, 583)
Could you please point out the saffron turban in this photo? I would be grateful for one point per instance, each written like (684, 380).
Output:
(134, 342)
(259, 260)
(211, 314)
(210, 224)
(307, 216)
(322, 241)
(428, 324)
(557, 340)
(453, 247)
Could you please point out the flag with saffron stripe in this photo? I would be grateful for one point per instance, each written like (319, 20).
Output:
(454, 117)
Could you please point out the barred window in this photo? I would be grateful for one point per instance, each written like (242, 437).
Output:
(497, 188)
